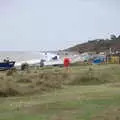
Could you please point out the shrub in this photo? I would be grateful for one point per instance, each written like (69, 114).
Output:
(24, 66)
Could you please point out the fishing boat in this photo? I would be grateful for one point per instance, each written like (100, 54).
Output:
(6, 64)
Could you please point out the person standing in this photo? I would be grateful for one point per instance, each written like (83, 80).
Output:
(42, 63)
(67, 63)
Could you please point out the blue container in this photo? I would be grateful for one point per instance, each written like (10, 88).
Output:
(98, 60)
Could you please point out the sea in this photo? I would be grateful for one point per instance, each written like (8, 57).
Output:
(20, 55)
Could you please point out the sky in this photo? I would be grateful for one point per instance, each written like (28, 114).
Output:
(56, 24)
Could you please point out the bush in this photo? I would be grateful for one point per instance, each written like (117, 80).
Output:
(24, 66)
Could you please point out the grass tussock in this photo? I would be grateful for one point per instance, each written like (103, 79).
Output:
(13, 83)
(25, 83)
(111, 114)
(86, 78)
(8, 88)
(11, 72)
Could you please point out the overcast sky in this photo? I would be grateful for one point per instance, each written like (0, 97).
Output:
(56, 24)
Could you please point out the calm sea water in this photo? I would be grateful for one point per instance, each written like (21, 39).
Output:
(20, 56)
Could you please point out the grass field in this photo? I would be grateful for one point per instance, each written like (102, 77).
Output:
(85, 93)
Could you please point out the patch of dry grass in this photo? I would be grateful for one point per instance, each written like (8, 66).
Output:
(14, 83)
(8, 88)
(22, 83)
(110, 114)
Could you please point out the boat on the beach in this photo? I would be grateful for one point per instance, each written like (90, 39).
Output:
(6, 64)
(47, 59)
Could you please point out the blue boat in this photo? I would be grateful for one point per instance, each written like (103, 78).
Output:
(6, 65)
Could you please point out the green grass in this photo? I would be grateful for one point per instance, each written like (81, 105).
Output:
(72, 102)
